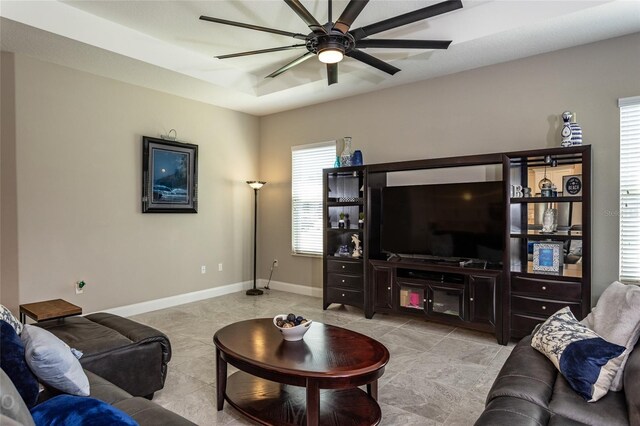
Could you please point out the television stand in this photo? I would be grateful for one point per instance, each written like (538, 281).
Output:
(462, 292)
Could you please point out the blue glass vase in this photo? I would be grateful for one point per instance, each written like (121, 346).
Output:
(356, 159)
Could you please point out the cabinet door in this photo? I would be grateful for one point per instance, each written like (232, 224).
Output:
(382, 287)
(482, 300)
(446, 300)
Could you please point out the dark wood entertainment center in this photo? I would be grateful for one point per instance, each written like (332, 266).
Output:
(507, 300)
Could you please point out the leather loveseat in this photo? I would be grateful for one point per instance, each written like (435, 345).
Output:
(530, 391)
(130, 355)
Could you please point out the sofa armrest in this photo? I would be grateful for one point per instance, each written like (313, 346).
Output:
(149, 413)
(134, 331)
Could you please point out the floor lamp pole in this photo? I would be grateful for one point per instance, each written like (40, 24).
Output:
(256, 185)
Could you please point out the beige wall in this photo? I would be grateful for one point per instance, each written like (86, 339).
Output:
(510, 106)
(78, 175)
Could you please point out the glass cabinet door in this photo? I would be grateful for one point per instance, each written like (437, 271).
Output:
(411, 297)
(446, 300)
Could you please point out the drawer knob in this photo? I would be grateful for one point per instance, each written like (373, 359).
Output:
(471, 299)
(342, 280)
(544, 308)
(429, 300)
(343, 266)
(388, 288)
(544, 288)
(342, 294)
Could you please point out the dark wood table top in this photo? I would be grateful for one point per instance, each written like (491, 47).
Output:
(50, 309)
(325, 352)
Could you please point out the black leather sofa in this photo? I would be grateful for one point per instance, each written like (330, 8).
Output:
(530, 391)
(128, 354)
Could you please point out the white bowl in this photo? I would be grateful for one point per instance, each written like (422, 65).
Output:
(294, 333)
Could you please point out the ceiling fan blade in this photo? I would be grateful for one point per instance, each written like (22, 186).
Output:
(349, 14)
(306, 16)
(403, 44)
(256, 52)
(407, 18)
(291, 64)
(373, 61)
(332, 73)
(253, 27)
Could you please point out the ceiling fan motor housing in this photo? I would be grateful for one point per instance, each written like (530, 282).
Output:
(316, 43)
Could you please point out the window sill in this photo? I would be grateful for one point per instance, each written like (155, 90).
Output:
(315, 256)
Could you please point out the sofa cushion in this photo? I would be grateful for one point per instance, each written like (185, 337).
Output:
(7, 316)
(12, 406)
(579, 353)
(527, 374)
(632, 386)
(616, 318)
(146, 412)
(13, 363)
(513, 412)
(70, 410)
(53, 362)
(610, 410)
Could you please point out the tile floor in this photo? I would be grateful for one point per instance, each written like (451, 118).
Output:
(437, 374)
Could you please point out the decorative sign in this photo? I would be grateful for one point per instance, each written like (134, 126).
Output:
(572, 185)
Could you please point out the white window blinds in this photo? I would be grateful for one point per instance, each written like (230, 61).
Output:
(630, 189)
(307, 162)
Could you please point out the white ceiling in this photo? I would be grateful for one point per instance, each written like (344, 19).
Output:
(164, 46)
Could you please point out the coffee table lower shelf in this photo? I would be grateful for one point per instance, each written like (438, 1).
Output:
(271, 403)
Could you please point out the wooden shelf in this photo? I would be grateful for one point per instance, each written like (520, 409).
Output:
(570, 270)
(527, 200)
(343, 230)
(356, 202)
(539, 235)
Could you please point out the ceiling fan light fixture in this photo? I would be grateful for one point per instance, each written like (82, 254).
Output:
(330, 55)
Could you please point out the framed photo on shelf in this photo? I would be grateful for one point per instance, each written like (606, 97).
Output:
(548, 257)
(169, 176)
(572, 186)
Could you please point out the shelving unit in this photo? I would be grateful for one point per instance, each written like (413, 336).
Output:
(344, 192)
(532, 295)
(508, 299)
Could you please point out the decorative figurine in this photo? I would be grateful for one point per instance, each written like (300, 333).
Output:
(550, 220)
(341, 221)
(361, 220)
(571, 131)
(357, 250)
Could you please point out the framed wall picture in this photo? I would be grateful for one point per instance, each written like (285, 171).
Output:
(572, 186)
(169, 176)
(548, 257)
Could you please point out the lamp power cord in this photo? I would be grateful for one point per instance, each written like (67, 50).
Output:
(266, 287)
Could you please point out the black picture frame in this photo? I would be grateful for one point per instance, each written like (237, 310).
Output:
(169, 176)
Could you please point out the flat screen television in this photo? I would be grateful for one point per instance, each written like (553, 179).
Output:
(451, 221)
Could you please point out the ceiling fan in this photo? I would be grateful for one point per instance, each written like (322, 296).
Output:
(334, 40)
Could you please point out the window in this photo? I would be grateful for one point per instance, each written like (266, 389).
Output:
(630, 189)
(307, 162)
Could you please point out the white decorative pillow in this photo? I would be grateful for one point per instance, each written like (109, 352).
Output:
(7, 316)
(616, 318)
(578, 353)
(52, 361)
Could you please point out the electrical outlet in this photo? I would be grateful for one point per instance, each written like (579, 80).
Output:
(275, 263)
(203, 269)
(219, 267)
(79, 286)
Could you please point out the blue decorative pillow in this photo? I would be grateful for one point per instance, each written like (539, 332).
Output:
(578, 353)
(53, 362)
(13, 363)
(70, 410)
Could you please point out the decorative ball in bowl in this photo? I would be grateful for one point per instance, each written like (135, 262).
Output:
(291, 326)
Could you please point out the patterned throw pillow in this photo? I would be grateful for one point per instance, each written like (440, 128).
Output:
(7, 316)
(578, 353)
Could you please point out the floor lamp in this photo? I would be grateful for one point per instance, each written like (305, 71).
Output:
(256, 185)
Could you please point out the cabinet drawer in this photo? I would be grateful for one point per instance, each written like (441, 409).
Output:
(349, 281)
(542, 307)
(522, 324)
(344, 267)
(562, 290)
(341, 295)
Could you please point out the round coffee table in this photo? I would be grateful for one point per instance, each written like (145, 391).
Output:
(312, 381)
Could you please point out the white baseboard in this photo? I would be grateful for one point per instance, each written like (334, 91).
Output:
(293, 288)
(179, 299)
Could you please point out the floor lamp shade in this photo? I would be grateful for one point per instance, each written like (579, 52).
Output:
(255, 185)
